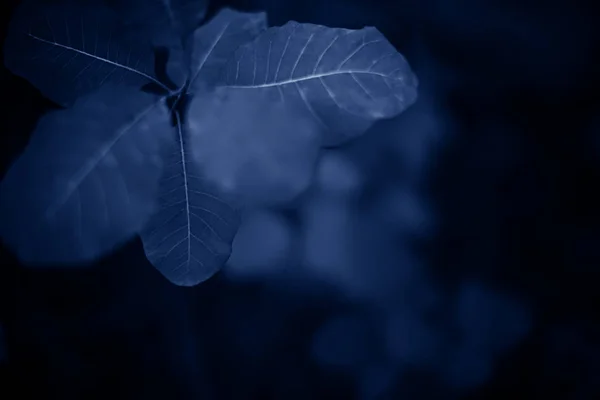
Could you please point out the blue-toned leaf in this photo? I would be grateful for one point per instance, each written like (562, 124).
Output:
(87, 180)
(71, 50)
(214, 43)
(165, 23)
(259, 152)
(345, 79)
(189, 237)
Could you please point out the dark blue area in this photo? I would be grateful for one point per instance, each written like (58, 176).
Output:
(452, 252)
(2, 346)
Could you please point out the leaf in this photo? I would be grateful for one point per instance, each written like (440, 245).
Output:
(214, 43)
(264, 156)
(71, 50)
(164, 23)
(189, 237)
(86, 182)
(345, 79)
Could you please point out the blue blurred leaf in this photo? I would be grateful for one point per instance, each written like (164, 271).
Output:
(489, 319)
(156, 19)
(87, 180)
(189, 238)
(215, 43)
(70, 50)
(263, 156)
(164, 23)
(253, 258)
(345, 79)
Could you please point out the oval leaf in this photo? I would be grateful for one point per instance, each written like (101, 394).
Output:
(87, 180)
(189, 237)
(214, 43)
(344, 79)
(71, 50)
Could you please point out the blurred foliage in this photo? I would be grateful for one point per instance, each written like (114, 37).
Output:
(449, 253)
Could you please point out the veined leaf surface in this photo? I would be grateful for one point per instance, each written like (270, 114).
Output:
(70, 50)
(345, 79)
(215, 43)
(189, 236)
(87, 180)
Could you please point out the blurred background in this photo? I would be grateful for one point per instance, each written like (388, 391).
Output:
(450, 253)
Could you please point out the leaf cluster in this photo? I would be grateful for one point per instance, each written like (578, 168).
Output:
(172, 123)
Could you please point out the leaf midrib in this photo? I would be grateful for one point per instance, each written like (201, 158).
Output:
(83, 172)
(307, 78)
(90, 55)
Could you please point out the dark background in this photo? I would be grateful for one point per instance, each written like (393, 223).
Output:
(453, 252)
